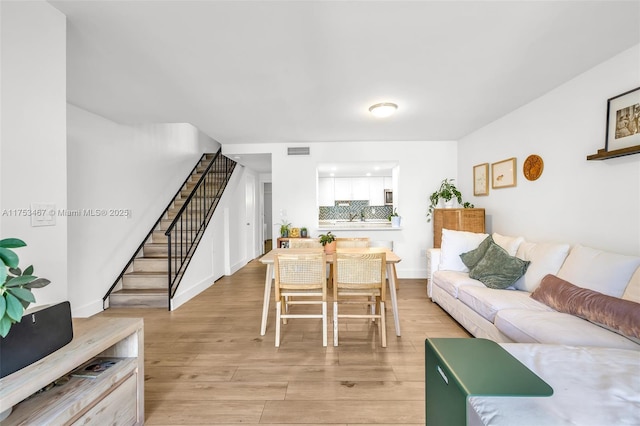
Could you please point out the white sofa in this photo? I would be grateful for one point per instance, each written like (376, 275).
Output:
(511, 315)
(593, 371)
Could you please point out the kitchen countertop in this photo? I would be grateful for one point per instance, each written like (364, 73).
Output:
(331, 225)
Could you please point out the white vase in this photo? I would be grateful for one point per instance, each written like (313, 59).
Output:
(395, 221)
(448, 204)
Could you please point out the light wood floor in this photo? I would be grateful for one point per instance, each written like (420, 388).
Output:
(206, 363)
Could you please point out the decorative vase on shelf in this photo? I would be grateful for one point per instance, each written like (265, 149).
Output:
(395, 221)
(448, 204)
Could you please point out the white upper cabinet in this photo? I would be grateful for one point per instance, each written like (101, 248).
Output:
(352, 188)
(360, 188)
(326, 190)
(343, 188)
(376, 191)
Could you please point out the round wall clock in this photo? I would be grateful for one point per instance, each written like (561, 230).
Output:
(533, 167)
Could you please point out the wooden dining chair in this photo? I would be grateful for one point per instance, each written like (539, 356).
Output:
(352, 242)
(359, 278)
(304, 243)
(300, 279)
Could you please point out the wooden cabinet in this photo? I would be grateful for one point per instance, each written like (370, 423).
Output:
(471, 220)
(115, 397)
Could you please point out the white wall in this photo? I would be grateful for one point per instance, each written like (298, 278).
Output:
(114, 166)
(422, 165)
(595, 203)
(33, 136)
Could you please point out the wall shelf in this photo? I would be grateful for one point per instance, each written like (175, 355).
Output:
(603, 154)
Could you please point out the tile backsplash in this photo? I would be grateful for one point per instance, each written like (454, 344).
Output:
(347, 209)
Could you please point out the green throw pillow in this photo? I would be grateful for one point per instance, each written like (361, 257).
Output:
(471, 258)
(497, 269)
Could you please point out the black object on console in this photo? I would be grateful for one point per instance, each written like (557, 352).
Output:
(37, 335)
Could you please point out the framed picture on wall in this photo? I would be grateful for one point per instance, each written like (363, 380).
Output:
(503, 173)
(481, 179)
(623, 121)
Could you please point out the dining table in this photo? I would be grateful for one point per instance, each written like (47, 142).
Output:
(391, 259)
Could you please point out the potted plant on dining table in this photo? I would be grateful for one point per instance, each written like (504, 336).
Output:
(328, 241)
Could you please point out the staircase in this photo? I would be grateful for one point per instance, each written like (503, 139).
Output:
(151, 278)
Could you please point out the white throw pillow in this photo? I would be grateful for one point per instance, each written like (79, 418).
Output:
(454, 243)
(510, 244)
(604, 272)
(546, 258)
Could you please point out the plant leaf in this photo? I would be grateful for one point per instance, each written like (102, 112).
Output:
(3, 306)
(3, 275)
(8, 257)
(28, 271)
(12, 243)
(16, 271)
(39, 283)
(14, 307)
(22, 294)
(5, 325)
(20, 281)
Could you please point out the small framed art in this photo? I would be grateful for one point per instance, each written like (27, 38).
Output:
(481, 179)
(623, 121)
(503, 173)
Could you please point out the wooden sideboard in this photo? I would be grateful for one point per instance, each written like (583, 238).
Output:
(115, 397)
(471, 220)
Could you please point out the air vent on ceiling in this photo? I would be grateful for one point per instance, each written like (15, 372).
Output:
(302, 150)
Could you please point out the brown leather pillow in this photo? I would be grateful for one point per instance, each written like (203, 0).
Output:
(619, 315)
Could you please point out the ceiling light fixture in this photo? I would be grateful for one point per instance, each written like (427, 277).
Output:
(384, 109)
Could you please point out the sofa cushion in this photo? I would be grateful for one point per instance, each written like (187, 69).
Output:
(488, 301)
(619, 315)
(451, 281)
(632, 292)
(510, 244)
(535, 326)
(454, 243)
(607, 273)
(471, 258)
(546, 258)
(497, 269)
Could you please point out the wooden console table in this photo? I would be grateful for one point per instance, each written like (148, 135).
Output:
(115, 397)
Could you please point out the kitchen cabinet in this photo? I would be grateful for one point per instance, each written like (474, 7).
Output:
(326, 192)
(342, 188)
(376, 191)
(360, 188)
(352, 188)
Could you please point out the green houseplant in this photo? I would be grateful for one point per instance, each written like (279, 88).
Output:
(284, 228)
(447, 192)
(16, 285)
(328, 241)
(327, 238)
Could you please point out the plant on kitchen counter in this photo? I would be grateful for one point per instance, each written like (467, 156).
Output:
(393, 214)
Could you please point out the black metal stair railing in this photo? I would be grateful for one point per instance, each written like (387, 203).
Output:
(219, 169)
(186, 230)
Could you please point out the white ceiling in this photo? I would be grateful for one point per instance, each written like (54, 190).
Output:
(307, 71)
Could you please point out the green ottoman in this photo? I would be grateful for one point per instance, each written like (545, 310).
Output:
(458, 368)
